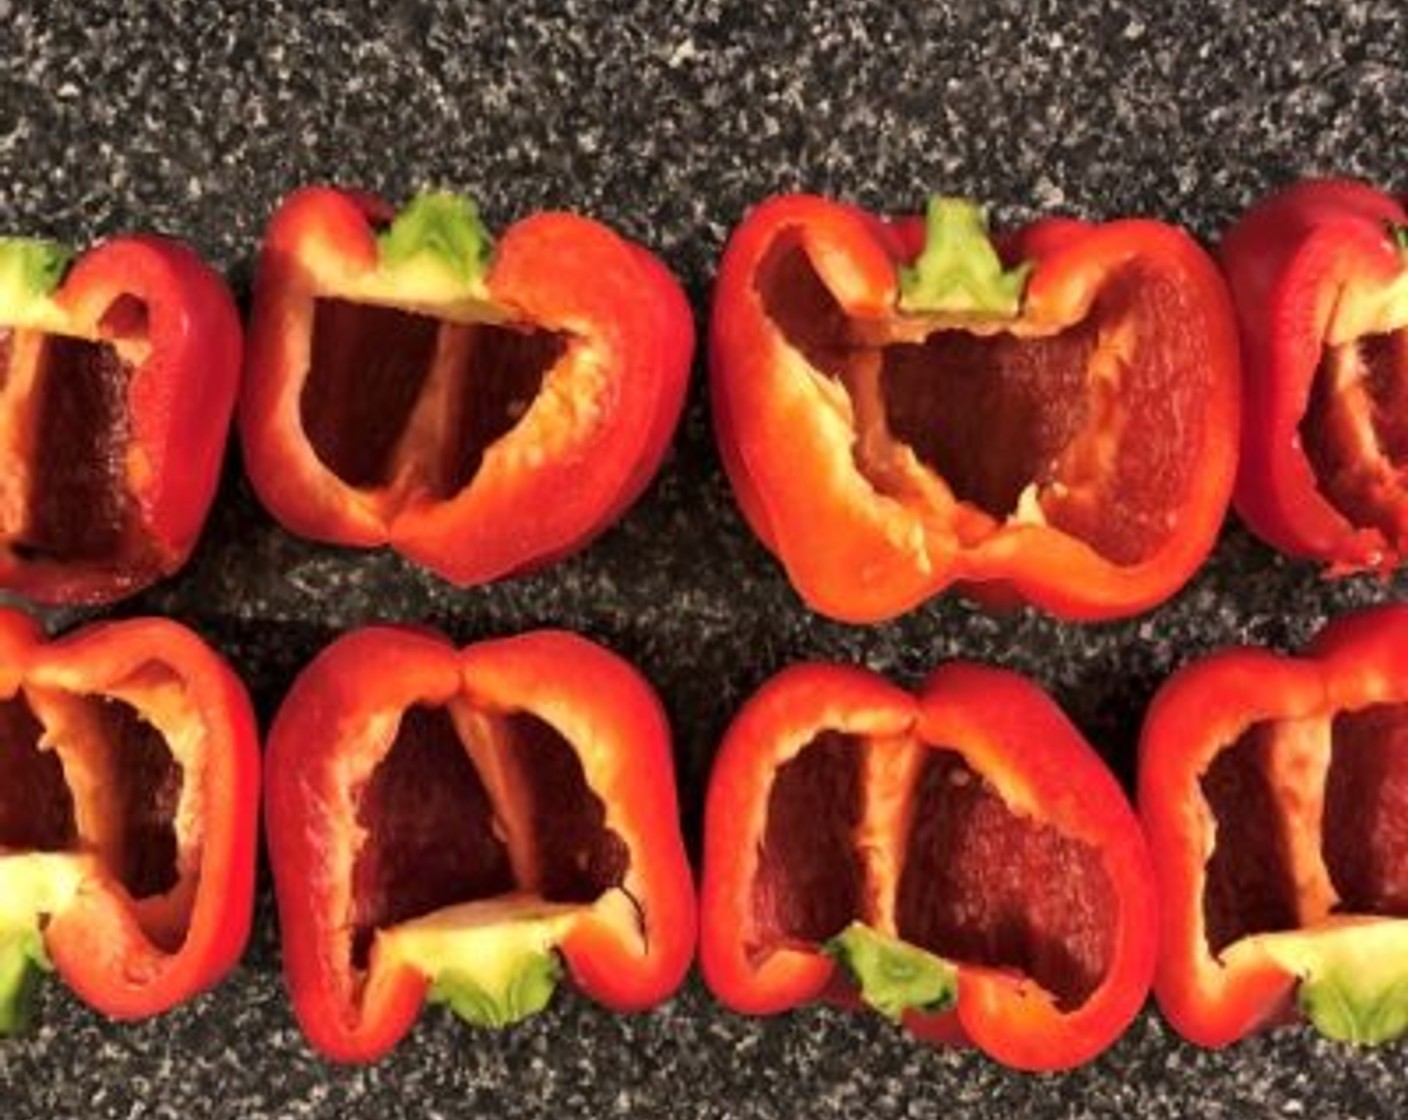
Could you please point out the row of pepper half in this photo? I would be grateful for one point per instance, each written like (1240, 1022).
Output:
(466, 826)
(1052, 416)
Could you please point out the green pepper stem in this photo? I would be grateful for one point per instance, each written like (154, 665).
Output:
(442, 229)
(894, 976)
(22, 960)
(517, 986)
(959, 271)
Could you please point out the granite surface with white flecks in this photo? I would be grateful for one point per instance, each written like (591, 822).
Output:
(667, 121)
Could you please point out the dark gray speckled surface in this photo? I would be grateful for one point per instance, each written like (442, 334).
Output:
(195, 118)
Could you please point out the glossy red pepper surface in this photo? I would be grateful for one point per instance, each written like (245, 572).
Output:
(966, 835)
(901, 407)
(1271, 790)
(129, 787)
(483, 411)
(1319, 273)
(118, 378)
(453, 823)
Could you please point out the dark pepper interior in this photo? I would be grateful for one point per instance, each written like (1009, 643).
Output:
(1250, 885)
(978, 883)
(1355, 431)
(1100, 416)
(140, 783)
(77, 504)
(395, 397)
(434, 837)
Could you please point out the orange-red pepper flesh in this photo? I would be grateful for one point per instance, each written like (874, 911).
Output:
(406, 777)
(1271, 789)
(482, 425)
(130, 763)
(971, 821)
(1078, 454)
(1319, 275)
(116, 392)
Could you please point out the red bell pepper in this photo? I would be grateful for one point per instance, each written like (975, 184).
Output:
(1319, 274)
(963, 852)
(482, 411)
(117, 381)
(902, 406)
(129, 786)
(448, 823)
(1272, 791)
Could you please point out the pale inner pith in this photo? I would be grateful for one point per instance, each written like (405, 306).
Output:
(1355, 432)
(96, 776)
(917, 844)
(64, 434)
(1311, 823)
(467, 806)
(407, 403)
(1091, 427)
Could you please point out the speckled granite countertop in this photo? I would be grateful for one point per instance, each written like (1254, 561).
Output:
(193, 119)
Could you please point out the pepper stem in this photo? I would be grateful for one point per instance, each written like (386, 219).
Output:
(511, 988)
(1355, 1006)
(22, 959)
(30, 270)
(959, 271)
(440, 229)
(893, 975)
(1399, 233)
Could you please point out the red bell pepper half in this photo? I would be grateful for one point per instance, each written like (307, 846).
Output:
(450, 823)
(1273, 792)
(118, 377)
(129, 787)
(902, 406)
(482, 410)
(1319, 274)
(961, 858)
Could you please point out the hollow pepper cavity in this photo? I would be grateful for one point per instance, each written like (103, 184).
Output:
(961, 860)
(118, 377)
(129, 786)
(454, 824)
(1271, 790)
(1319, 275)
(900, 406)
(483, 410)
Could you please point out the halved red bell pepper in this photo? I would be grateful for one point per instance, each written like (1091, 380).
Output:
(117, 382)
(483, 411)
(1319, 274)
(963, 853)
(449, 823)
(902, 406)
(129, 787)
(1273, 793)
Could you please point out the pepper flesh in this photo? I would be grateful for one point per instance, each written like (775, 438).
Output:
(447, 823)
(484, 414)
(1076, 453)
(993, 863)
(1319, 275)
(118, 379)
(129, 781)
(1271, 791)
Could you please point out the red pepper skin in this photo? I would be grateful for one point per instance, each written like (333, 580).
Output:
(1011, 733)
(553, 270)
(1287, 261)
(848, 552)
(1358, 660)
(177, 409)
(96, 943)
(381, 671)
